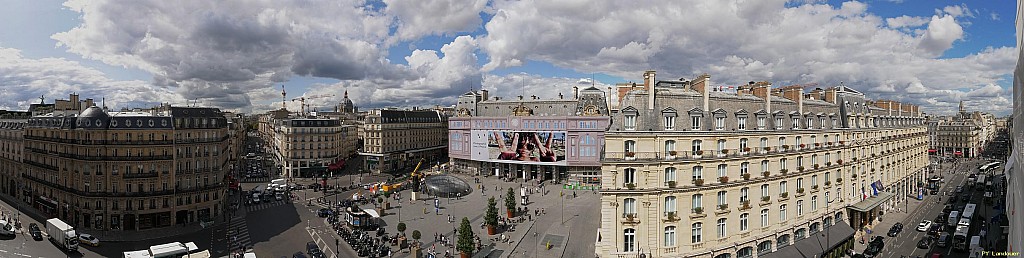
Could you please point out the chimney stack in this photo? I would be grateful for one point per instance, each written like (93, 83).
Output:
(649, 81)
(795, 93)
(830, 95)
(484, 95)
(702, 84)
(575, 92)
(763, 90)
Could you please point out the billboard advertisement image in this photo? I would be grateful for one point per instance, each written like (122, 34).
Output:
(546, 148)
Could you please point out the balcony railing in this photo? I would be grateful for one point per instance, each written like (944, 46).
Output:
(711, 154)
(100, 142)
(149, 174)
(124, 194)
(37, 164)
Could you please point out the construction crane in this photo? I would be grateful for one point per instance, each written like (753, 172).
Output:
(302, 100)
(415, 177)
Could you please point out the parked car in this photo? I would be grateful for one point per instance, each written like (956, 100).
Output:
(33, 230)
(943, 240)
(324, 212)
(925, 243)
(935, 230)
(313, 250)
(895, 229)
(298, 255)
(7, 228)
(924, 226)
(88, 239)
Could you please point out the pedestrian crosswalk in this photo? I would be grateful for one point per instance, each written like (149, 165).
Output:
(266, 205)
(255, 179)
(238, 235)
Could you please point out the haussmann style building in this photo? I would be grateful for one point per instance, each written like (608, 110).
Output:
(396, 140)
(125, 170)
(692, 171)
(535, 138)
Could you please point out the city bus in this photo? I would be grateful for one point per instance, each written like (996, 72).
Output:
(960, 238)
(986, 167)
(968, 211)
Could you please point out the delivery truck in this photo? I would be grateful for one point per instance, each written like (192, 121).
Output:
(62, 234)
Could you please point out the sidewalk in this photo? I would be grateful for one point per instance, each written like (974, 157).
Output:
(106, 236)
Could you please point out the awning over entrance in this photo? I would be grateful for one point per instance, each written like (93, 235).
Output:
(871, 202)
(815, 244)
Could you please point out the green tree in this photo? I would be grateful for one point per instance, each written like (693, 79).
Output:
(491, 218)
(465, 243)
(510, 201)
(416, 236)
(401, 227)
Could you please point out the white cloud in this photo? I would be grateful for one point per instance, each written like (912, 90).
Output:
(25, 79)
(994, 16)
(738, 43)
(941, 34)
(434, 17)
(905, 21)
(956, 11)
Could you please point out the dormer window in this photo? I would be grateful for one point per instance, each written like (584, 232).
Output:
(778, 123)
(694, 122)
(629, 118)
(720, 123)
(670, 118)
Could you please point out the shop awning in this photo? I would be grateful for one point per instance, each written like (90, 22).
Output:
(815, 244)
(932, 150)
(871, 202)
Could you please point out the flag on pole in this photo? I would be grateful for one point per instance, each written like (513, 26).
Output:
(874, 189)
(863, 194)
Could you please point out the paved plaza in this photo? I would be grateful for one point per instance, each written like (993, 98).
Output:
(573, 238)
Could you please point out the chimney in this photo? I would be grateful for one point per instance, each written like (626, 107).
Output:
(899, 108)
(520, 97)
(762, 90)
(816, 94)
(795, 93)
(575, 92)
(484, 95)
(496, 98)
(623, 89)
(703, 85)
(609, 98)
(649, 81)
(830, 95)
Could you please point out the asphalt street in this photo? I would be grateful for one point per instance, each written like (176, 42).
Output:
(905, 243)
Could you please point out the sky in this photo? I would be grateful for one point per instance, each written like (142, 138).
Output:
(238, 54)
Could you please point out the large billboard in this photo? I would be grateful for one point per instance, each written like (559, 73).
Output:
(527, 147)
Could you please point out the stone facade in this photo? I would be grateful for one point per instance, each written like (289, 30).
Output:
(583, 119)
(696, 172)
(963, 135)
(396, 140)
(127, 170)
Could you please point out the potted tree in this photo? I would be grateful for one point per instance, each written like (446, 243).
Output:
(746, 150)
(672, 154)
(784, 195)
(766, 173)
(630, 186)
(800, 168)
(839, 161)
(816, 166)
(380, 201)
(510, 202)
(766, 198)
(672, 184)
(785, 147)
(725, 152)
(416, 246)
(491, 218)
(465, 244)
(767, 149)
(783, 171)
(828, 163)
(630, 155)
(401, 229)
(839, 180)
(803, 145)
(817, 145)
(387, 200)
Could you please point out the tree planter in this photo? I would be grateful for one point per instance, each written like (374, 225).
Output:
(510, 213)
(463, 255)
(671, 184)
(784, 171)
(766, 174)
(491, 230)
